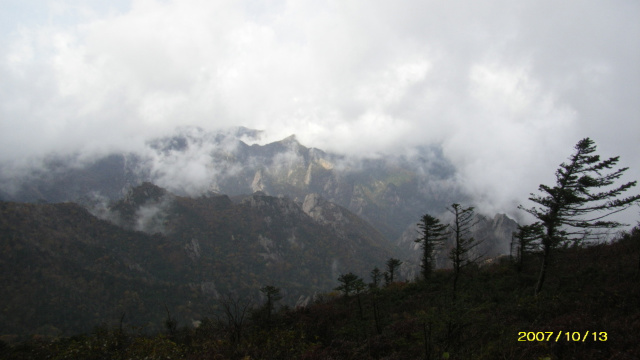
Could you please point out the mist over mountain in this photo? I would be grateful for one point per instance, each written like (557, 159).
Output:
(159, 156)
(389, 191)
(199, 214)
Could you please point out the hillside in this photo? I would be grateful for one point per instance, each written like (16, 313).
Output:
(588, 310)
(65, 270)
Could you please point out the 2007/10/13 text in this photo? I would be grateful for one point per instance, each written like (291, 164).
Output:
(562, 336)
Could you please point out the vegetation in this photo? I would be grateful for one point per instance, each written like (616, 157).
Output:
(526, 241)
(433, 235)
(376, 276)
(570, 210)
(596, 290)
(460, 255)
(392, 268)
(273, 294)
(65, 270)
(349, 283)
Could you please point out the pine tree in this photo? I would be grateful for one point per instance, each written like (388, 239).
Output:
(376, 276)
(464, 220)
(526, 240)
(350, 282)
(273, 294)
(392, 266)
(570, 210)
(433, 234)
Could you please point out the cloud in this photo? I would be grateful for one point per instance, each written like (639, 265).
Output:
(150, 217)
(505, 88)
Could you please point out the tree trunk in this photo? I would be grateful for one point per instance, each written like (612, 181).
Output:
(427, 340)
(455, 283)
(543, 269)
(376, 314)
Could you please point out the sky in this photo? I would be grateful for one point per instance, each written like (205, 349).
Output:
(505, 88)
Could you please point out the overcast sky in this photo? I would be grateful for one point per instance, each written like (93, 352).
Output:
(505, 87)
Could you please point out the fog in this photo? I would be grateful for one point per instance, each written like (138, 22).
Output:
(505, 89)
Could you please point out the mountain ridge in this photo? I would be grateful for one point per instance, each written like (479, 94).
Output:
(61, 259)
(390, 193)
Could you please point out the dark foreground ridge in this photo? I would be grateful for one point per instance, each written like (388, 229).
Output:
(64, 270)
(588, 310)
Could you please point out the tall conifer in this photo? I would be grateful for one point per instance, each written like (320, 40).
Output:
(583, 196)
(432, 235)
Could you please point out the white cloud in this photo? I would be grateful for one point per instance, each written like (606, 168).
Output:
(506, 88)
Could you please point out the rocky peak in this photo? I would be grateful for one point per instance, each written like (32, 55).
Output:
(291, 139)
(289, 144)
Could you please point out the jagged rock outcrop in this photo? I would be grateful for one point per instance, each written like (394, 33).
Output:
(257, 183)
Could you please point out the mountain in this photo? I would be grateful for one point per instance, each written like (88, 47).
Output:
(390, 192)
(65, 270)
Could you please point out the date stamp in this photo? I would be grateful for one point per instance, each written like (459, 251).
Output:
(556, 336)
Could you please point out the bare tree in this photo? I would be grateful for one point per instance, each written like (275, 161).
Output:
(234, 314)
